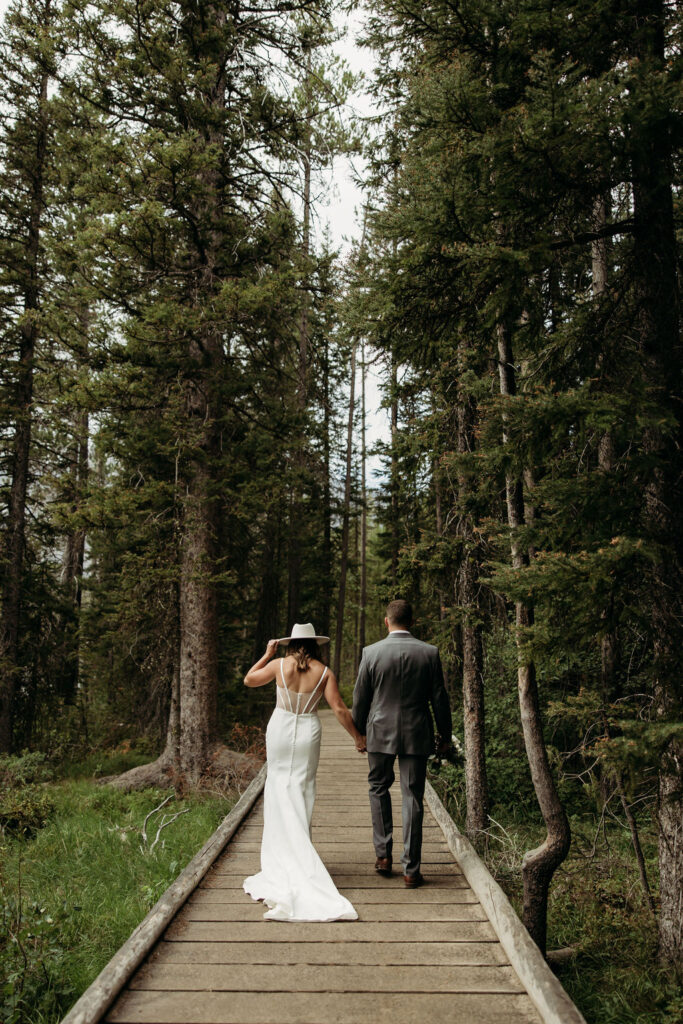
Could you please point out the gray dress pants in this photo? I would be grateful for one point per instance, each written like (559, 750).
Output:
(413, 772)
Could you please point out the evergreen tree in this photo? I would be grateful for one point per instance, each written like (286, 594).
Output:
(514, 124)
(27, 175)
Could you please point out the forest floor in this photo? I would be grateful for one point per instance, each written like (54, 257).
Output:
(74, 890)
(596, 907)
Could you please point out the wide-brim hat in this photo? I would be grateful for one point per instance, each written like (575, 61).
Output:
(304, 631)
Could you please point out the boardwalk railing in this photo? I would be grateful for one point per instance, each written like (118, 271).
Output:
(545, 991)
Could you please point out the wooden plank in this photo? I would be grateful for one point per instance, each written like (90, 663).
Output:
(337, 829)
(359, 854)
(336, 931)
(337, 864)
(351, 848)
(358, 896)
(370, 879)
(341, 953)
(305, 1008)
(250, 910)
(157, 977)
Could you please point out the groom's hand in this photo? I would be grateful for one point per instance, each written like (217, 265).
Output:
(443, 747)
(360, 745)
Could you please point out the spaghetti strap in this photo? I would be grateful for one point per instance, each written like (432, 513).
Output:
(284, 686)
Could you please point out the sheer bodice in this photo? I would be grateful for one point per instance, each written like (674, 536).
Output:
(299, 703)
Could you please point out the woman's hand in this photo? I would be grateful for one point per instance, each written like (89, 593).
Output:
(360, 744)
(271, 649)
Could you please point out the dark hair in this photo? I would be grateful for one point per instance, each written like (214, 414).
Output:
(400, 613)
(303, 651)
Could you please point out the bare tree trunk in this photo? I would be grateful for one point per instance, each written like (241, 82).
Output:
(539, 865)
(267, 621)
(363, 520)
(326, 567)
(74, 548)
(294, 552)
(346, 511)
(441, 593)
(299, 455)
(637, 848)
(438, 522)
(356, 616)
(198, 628)
(657, 326)
(474, 722)
(171, 753)
(600, 270)
(12, 560)
(394, 481)
(609, 641)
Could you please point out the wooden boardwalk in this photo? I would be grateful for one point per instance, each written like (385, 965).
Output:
(428, 954)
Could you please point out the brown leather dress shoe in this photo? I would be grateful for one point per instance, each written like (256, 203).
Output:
(383, 866)
(413, 881)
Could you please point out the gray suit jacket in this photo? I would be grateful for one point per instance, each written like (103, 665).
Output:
(398, 679)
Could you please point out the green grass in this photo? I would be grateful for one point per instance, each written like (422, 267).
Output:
(596, 905)
(73, 894)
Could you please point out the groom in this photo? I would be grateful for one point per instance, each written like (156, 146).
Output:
(398, 679)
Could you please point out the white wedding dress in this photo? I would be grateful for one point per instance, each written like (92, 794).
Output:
(293, 880)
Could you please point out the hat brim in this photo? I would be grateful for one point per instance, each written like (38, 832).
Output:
(318, 639)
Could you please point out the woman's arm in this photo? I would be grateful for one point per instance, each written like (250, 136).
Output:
(334, 699)
(261, 672)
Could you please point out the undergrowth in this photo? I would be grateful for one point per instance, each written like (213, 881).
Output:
(72, 894)
(596, 907)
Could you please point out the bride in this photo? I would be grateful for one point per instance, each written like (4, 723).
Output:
(293, 880)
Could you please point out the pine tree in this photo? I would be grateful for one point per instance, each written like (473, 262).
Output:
(28, 63)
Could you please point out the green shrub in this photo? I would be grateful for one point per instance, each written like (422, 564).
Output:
(24, 810)
(25, 768)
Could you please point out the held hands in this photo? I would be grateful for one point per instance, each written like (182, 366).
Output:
(360, 744)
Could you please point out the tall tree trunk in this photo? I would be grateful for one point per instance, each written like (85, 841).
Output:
(609, 649)
(198, 686)
(198, 604)
(441, 593)
(171, 754)
(658, 329)
(438, 523)
(12, 561)
(599, 266)
(267, 615)
(74, 548)
(300, 455)
(346, 513)
(476, 782)
(363, 519)
(394, 484)
(539, 865)
(326, 559)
